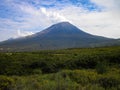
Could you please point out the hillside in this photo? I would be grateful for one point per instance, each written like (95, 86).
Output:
(58, 36)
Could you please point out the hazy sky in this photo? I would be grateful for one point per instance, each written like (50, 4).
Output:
(25, 17)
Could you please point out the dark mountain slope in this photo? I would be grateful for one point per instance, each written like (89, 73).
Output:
(57, 36)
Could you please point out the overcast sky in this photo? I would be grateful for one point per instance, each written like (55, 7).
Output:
(25, 17)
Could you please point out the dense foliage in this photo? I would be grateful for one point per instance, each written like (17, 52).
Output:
(68, 69)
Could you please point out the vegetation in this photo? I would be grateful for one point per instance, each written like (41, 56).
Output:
(68, 69)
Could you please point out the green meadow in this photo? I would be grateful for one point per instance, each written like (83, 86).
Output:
(67, 69)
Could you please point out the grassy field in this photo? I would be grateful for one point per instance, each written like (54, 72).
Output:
(68, 69)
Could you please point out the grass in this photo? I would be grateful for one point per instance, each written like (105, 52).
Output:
(69, 69)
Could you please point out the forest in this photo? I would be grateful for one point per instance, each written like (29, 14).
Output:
(67, 69)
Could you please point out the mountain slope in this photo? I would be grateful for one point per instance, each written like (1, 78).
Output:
(57, 36)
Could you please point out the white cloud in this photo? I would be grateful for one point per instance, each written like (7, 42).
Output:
(23, 33)
(112, 6)
(41, 17)
(7, 34)
(53, 15)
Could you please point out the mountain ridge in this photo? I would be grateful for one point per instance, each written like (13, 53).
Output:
(58, 36)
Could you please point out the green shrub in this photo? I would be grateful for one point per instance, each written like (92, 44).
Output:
(109, 82)
(6, 83)
(101, 67)
(37, 71)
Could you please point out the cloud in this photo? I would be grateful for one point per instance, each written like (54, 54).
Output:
(112, 6)
(7, 34)
(53, 15)
(40, 17)
(23, 33)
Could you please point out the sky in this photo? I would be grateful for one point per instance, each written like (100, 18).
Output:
(25, 17)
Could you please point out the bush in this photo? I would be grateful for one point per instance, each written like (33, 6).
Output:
(82, 77)
(109, 82)
(6, 83)
(101, 67)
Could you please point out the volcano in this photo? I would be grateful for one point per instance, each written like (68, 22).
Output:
(58, 36)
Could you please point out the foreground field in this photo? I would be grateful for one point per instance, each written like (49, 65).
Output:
(69, 69)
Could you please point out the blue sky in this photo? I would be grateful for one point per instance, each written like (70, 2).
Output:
(25, 17)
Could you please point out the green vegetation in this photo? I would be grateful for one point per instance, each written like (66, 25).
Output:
(68, 69)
